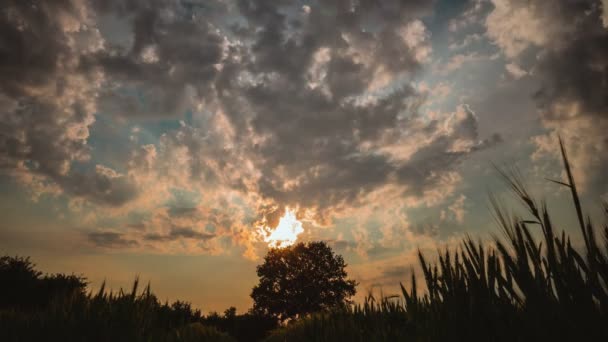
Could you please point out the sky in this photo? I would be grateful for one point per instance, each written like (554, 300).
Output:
(165, 139)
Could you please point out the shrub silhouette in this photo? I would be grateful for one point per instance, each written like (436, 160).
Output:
(301, 279)
(25, 288)
(246, 327)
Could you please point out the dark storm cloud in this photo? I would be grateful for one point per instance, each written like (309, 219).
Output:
(110, 240)
(47, 102)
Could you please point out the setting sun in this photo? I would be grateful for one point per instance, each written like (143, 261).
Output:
(286, 233)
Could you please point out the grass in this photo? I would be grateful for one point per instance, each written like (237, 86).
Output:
(107, 316)
(520, 288)
(57, 307)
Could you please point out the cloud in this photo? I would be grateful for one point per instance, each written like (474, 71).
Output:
(312, 107)
(415, 36)
(110, 240)
(321, 146)
(466, 42)
(104, 185)
(455, 211)
(177, 233)
(514, 26)
(458, 60)
(398, 273)
(472, 15)
(48, 103)
(515, 70)
(569, 39)
(169, 66)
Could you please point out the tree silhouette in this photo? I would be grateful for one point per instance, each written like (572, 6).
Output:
(301, 279)
(24, 287)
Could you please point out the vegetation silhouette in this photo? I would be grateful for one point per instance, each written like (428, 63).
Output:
(301, 279)
(249, 326)
(530, 285)
(57, 308)
(22, 285)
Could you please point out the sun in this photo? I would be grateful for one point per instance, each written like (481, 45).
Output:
(286, 233)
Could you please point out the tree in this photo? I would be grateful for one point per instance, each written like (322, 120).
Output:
(24, 287)
(301, 279)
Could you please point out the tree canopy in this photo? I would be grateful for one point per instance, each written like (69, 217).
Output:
(21, 285)
(301, 279)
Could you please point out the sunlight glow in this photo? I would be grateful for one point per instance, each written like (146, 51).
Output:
(287, 231)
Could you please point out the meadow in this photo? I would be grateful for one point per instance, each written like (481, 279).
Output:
(530, 284)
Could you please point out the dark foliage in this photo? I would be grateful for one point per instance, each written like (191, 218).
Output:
(23, 287)
(56, 307)
(101, 317)
(244, 328)
(301, 279)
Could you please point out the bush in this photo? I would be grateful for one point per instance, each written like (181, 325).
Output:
(21, 286)
(244, 328)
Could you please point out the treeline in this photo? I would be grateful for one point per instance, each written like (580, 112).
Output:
(37, 307)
